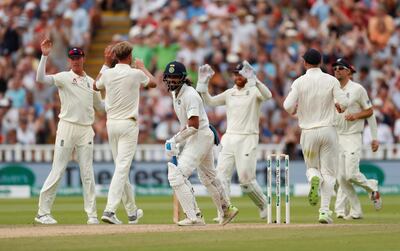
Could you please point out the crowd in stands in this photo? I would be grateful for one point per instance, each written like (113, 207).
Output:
(271, 35)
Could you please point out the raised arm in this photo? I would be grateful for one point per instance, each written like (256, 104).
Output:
(205, 74)
(41, 76)
(153, 81)
(108, 59)
(248, 72)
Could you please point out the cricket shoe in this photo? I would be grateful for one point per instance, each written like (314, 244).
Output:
(340, 216)
(376, 199)
(192, 222)
(92, 221)
(218, 219)
(325, 218)
(353, 217)
(229, 214)
(46, 219)
(134, 219)
(111, 218)
(313, 194)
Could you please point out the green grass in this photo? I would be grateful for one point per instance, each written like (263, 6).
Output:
(377, 231)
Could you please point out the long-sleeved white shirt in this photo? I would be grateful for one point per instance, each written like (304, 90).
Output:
(78, 99)
(358, 101)
(312, 98)
(122, 84)
(242, 107)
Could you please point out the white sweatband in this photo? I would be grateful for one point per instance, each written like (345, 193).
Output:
(103, 68)
(183, 135)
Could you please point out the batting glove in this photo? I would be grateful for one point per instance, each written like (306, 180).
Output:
(205, 74)
(248, 72)
(171, 148)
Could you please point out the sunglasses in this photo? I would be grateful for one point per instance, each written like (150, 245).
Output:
(339, 68)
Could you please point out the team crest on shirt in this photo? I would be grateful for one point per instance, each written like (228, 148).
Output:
(348, 95)
(178, 101)
(247, 92)
(74, 81)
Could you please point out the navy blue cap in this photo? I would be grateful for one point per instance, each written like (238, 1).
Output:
(345, 63)
(175, 68)
(76, 52)
(312, 56)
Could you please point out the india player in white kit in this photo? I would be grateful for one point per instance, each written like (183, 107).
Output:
(74, 131)
(197, 140)
(122, 88)
(240, 141)
(312, 100)
(350, 125)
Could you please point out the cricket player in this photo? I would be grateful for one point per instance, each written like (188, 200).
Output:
(350, 125)
(74, 131)
(239, 143)
(312, 98)
(197, 140)
(121, 85)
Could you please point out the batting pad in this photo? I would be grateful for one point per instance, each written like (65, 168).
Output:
(253, 190)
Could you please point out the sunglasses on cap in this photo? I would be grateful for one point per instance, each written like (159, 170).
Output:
(339, 68)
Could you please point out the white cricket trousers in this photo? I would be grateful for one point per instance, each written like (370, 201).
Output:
(240, 151)
(320, 150)
(123, 139)
(71, 136)
(349, 174)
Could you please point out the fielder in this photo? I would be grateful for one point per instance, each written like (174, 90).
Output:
(312, 99)
(74, 131)
(121, 85)
(198, 140)
(350, 125)
(239, 143)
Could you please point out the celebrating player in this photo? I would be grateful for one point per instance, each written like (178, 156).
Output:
(198, 140)
(239, 143)
(74, 131)
(121, 85)
(350, 125)
(312, 99)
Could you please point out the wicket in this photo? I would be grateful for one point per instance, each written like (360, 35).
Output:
(278, 158)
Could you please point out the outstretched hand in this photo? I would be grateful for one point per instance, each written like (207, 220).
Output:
(205, 73)
(46, 46)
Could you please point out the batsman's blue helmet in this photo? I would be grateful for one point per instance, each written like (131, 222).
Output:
(174, 75)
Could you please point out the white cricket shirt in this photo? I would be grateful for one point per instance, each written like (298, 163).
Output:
(358, 101)
(188, 103)
(122, 85)
(77, 97)
(313, 93)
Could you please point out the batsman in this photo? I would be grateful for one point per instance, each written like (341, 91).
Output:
(196, 140)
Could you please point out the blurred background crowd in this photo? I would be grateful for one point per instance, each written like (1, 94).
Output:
(271, 35)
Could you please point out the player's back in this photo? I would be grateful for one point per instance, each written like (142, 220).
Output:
(316, 106)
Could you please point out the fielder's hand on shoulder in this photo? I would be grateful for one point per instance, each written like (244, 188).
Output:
(171, 148)
(248, 72)
(205, 74)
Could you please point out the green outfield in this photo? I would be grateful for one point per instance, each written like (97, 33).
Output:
(377, 231)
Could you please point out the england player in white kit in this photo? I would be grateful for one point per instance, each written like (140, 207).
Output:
(312, 99)
(350, 126)
(122, 88)
(240, 141)
(197, 140)
(74, 131)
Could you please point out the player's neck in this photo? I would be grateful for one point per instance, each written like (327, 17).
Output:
(344, 82)
(79, 72)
